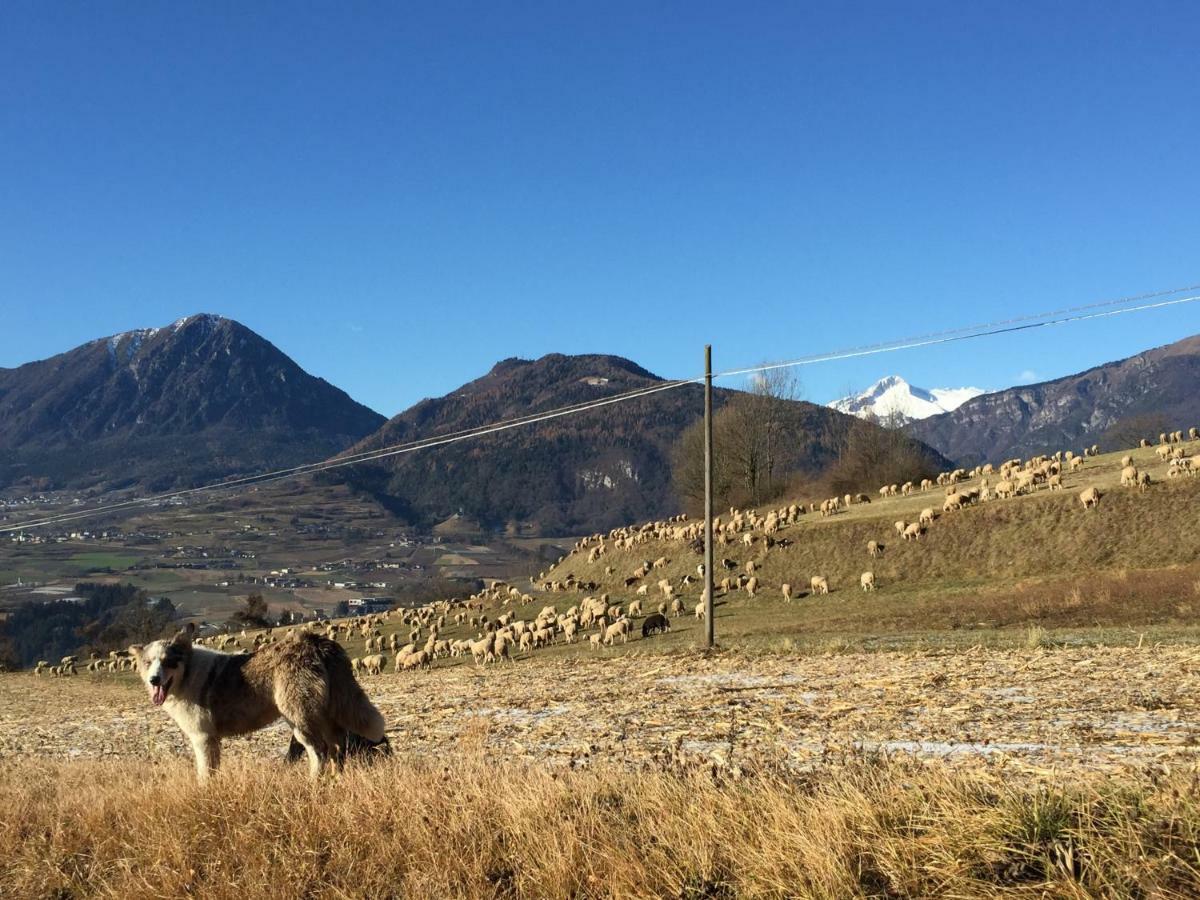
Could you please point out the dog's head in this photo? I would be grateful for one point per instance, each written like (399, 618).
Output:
(162, 663)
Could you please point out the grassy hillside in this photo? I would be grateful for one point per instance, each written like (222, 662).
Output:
(1039, 559)
(1006, 572)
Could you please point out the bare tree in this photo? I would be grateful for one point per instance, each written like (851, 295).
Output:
(756, 436)
(876, 451)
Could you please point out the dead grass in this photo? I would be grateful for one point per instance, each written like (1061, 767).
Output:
(464, 826)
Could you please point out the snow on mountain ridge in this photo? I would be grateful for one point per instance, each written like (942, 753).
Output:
(892, 395)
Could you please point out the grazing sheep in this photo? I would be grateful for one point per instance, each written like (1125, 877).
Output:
(1143, 481)
(1129, 476)
(481, 650)
(819, 584)
(914, 531)
(421, 659)
(500, 648)
(654, 624)
(700, 610)
(1090, 497)
(1054, 482)
(374, 665)
(900, 526)
(867, 580)
(751, 586)
(874, 549)
(787, 593)
(617, 629)
(927, 516)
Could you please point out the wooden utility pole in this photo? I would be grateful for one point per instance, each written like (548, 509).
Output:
(709, 631)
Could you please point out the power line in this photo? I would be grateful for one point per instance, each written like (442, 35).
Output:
(1064, 316)
(949, 337)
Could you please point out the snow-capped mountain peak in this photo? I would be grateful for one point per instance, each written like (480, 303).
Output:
(893, 396)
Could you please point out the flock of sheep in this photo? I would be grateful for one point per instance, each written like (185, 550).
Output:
(599, 621)
(497, 638)
(116, 661)
(961, 488)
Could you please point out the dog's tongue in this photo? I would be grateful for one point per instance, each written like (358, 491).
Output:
(158, 695)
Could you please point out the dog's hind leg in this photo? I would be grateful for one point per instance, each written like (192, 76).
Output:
(315, 749)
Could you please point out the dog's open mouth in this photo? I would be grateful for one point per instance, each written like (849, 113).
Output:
(158, 693)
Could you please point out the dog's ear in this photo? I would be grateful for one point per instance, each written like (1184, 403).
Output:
(184, 635)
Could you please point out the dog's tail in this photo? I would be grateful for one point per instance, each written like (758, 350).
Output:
(351, 708)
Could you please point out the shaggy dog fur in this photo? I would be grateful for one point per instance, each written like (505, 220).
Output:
(304, 678)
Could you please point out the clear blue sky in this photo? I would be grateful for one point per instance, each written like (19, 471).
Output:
(398, 195)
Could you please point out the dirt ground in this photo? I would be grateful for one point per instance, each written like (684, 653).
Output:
(1043, 710)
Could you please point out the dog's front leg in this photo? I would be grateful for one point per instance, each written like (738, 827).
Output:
(207, 751)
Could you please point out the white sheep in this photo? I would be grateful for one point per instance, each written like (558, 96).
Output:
(617, 629)
(819, 584)
(867, 580)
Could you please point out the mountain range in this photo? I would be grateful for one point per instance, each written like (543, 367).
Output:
(161, 408)
(892, 397)
(589, 472)
(206, 398)
(1111, 405)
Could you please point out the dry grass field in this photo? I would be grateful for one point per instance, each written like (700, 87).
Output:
(1038, 772)
(462, 825)
(1014, 712)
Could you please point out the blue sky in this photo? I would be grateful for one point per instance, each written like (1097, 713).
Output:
(398, 195)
